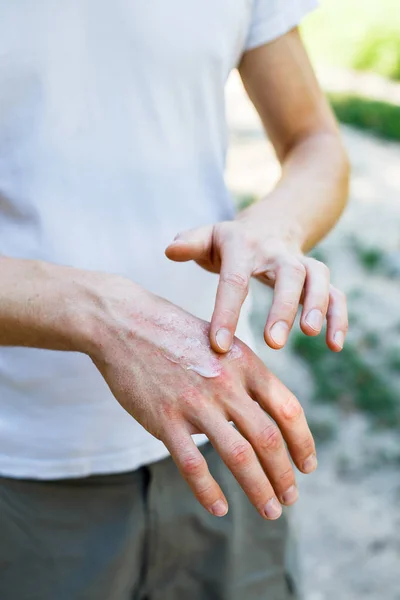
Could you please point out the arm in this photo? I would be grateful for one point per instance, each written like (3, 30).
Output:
(313, 188)
(53, 307)
(268, 240)
(157, 361)
(44, 305)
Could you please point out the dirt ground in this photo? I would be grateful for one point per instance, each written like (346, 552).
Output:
(348, 516)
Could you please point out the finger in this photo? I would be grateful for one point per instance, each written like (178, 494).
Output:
(193, 468)
(287, 412)
(240, 458)
(233, 287)
(266, 439)
(338, 320)
(194, 244)
(287, 292)
(316, 297)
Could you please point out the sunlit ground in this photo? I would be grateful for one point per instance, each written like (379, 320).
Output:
(349, 512)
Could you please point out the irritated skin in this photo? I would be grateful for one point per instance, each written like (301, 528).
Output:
(157, 361)
(159, 365)
(189, 347)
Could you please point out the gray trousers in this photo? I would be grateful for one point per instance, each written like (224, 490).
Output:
(137, 536)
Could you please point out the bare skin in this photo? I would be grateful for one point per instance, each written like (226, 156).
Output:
(149, 360)
(172, 402)
(269, 240)
(142, 345)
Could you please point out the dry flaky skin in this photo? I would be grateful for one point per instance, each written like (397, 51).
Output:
(191, 349)
(157, 361)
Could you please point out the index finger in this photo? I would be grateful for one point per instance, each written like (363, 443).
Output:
(233, 287)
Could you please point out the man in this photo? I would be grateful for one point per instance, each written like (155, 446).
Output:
(112, 140)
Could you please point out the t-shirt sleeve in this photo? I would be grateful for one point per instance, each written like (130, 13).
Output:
(273, 18)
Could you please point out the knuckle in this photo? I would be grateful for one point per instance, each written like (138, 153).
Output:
(228, 315)
(284, 305)
(205, 491)
(307, 446)
(269, 439)
(190, 400)
(237, 281)
(225, 395)
(258, 493)
(241, 454)
(250, 243)
(192, 465)
(289, 304)
(296, 267)
(291, 409)
(169, 409)
(286, 477)
(299, 271)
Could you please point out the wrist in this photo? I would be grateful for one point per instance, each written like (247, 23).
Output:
(106, 307)
(44, 305)
(265, 221)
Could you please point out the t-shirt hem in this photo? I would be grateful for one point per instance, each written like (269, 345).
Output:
(281, 23)
(84, 466)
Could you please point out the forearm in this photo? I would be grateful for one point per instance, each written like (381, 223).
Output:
(311, 194)
(52, 307)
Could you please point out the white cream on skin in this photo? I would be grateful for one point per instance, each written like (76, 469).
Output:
(188, 345)
(209, 366)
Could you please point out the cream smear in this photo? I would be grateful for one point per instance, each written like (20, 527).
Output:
(186, 343)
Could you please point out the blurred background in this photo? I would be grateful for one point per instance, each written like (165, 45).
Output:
(348, 517)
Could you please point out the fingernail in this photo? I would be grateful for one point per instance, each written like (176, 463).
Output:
(219, 508)
(291, 495)
(339, 339)
(224, 339)
(273, 509)
(310, 464)
(314, 319)
(279, 333)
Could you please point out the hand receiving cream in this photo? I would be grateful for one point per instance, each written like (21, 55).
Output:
(192, 351)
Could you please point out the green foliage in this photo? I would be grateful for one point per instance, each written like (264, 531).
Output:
(380, 118)
(318, 254)
(379, 52)
(371, 258)
(322, 431)
(370, 341)
(355, 293)
(244, 201)
(349, 379)
(394, 360)
(361, 34)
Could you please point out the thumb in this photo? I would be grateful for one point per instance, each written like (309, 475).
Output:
(194, 244)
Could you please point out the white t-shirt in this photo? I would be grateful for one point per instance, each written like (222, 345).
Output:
(112, 140)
